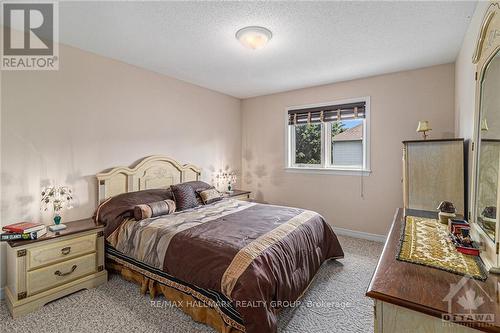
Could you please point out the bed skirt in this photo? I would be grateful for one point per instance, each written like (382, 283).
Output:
(195, 303)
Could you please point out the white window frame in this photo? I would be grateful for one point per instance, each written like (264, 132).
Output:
(326, 166)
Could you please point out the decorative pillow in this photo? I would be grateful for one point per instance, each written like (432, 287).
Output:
(198, 186)
(209, 196)
(153, 209)
(184, 196)
(115, 210)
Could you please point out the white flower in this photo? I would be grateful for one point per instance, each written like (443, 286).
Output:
(57, 196)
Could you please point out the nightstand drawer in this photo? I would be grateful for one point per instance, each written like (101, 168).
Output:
(52, 253)
(66, 271)
(238, 195)
(242, 197)
(58, 264)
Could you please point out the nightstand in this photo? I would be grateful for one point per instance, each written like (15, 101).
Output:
(57, 264)
(238, 195)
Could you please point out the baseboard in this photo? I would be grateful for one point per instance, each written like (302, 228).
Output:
(2, 296)
(360, 234)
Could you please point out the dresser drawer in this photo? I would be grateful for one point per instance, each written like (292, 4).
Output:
(57, 274)
(52, 253)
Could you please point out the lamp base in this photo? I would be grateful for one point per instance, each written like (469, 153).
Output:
(57, 227)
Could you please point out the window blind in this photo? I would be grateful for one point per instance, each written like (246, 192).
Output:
(327, 113)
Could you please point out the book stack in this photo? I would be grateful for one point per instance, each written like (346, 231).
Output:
(460, 236)
(23, 231)
(456, 226)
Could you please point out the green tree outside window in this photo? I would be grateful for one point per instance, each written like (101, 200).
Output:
(308, 142)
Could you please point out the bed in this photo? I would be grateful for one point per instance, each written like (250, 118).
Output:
(230, 264)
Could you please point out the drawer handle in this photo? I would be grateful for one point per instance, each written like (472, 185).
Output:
(58, 273)
(66, 250)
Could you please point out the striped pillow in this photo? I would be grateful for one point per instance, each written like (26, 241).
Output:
(154, 209)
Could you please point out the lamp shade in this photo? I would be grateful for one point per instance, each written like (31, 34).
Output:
(423, 126)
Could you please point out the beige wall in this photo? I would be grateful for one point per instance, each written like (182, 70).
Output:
(398, 101)
(94, 113)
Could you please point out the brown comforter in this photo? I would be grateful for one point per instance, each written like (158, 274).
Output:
(259, 256)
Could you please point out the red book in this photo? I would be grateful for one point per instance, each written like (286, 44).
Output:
(23, 227)
(457, 229)
(468, 250)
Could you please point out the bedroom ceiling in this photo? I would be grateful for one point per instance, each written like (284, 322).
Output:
(313, 42)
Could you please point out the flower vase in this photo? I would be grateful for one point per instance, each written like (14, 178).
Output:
(57, 219)
(57, 226)
(229, 188)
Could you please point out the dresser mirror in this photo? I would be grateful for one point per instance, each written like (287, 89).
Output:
(485, 217)
(488, 148)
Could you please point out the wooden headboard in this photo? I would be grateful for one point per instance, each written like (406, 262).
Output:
(151, 172)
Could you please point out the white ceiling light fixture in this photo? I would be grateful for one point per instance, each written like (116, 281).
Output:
(254, 37)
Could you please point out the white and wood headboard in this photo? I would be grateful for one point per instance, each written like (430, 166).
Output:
(151, 172)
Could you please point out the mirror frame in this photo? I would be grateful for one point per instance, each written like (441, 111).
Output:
(487, 46)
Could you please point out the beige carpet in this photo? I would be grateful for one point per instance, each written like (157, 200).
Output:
(335, 302)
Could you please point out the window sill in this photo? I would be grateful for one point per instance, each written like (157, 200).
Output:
(330, 171)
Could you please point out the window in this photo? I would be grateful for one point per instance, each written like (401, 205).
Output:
(329, 137)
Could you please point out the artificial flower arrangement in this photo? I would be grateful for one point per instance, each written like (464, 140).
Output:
(229, 177)
(57, 197)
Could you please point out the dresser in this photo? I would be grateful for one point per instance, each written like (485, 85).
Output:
(415, 298)
(57, 264)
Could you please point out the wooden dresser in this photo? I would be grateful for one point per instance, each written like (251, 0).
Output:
(57, 264)
(414, 298)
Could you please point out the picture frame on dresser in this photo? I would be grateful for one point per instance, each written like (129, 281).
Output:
(485, 161)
